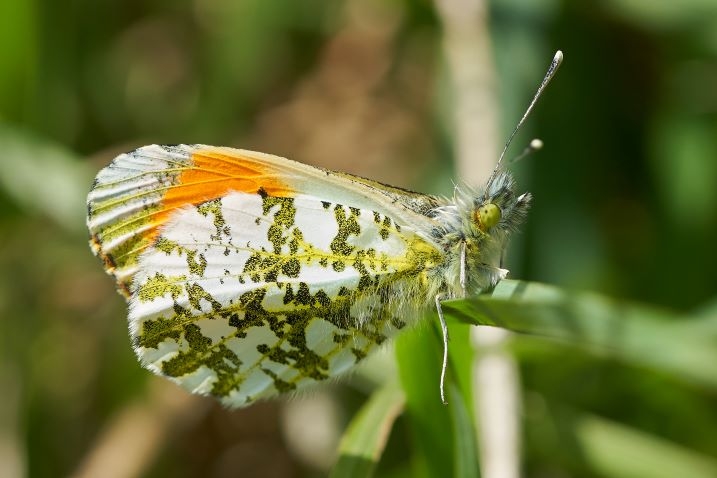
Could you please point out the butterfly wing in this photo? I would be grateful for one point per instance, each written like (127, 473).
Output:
(250, 275)
(139, 191)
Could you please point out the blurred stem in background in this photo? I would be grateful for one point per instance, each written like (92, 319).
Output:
(496, 387)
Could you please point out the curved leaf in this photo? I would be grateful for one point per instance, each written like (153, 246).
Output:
(638, 334)
(367, 434)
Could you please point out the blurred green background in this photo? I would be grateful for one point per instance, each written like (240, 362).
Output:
(625, 204)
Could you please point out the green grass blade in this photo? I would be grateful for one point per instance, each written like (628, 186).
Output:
(466, 446)
(419, 354)
(367, 434)
(615, 450)
(45, 177)
(634, 333)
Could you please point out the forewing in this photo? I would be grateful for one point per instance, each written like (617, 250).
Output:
(140, 191)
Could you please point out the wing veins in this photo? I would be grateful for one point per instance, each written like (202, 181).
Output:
(239, 378)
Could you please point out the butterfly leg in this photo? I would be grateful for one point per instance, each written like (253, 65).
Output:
(462, 276)
(444, 329)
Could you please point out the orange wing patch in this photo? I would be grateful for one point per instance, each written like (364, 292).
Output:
(125, 220)
(213, 174)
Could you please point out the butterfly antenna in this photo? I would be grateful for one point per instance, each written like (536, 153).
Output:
(533, 146)
(552, 69)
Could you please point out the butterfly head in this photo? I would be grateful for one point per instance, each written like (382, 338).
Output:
(474, 232)
(497, 210)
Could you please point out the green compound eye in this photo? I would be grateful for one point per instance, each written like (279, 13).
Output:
(488, 215)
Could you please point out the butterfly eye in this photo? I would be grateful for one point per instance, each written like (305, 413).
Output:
(487, 216)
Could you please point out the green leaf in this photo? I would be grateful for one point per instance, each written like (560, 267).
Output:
(419, 354)
(443, 435)
(615, 450)
(637, 334)
(44, 177)
(459, 389)
(466, 448)
(460, 356)
(367, 434)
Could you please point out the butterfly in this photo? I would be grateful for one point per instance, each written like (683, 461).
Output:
(249, 275)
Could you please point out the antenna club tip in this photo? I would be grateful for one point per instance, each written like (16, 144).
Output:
(558, 55)
(536, 144)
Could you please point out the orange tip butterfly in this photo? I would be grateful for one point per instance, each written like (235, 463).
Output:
(250, 275)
